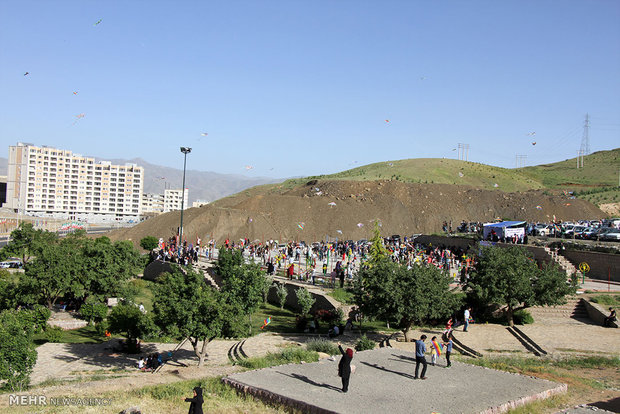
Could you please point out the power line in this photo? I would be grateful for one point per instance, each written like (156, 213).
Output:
(463, 151)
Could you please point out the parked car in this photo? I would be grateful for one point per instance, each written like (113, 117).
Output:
(4, 265)
(613, 235)
(543, 230)
(589, 233)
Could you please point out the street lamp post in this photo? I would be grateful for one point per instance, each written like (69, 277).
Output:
(185, 151)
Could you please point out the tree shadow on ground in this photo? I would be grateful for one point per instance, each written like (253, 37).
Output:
(403, 374)
(108, 355)
(309, 381)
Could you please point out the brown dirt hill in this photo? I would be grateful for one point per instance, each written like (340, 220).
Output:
(274, 212)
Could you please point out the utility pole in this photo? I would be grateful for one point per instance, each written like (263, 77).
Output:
(185, 151)
(463, 151)
(585, 139)
(520, 160)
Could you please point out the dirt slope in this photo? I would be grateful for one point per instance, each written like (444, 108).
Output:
(401, 208)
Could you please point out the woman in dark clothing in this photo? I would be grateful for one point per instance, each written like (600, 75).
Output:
(196, 403)
(344, 367)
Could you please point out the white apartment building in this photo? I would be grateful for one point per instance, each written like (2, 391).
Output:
(199, 203)
(172, 200)
(152, 203)
(50, 182)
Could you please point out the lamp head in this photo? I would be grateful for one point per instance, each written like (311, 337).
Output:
(186, 150)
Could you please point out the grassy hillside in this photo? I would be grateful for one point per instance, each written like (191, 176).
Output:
(600, 170)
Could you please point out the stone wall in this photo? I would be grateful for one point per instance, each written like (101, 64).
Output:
(597, 313)
(322, 301)
(602, 265)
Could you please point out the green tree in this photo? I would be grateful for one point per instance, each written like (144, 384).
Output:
(391, 292)
(281, 293)
(510, 277)
(305, 300)
(227, 261)
(92, 310)
(55, 272)
(186, 307)
(9, 293)
(149, 243)
(26, 241)
(127, 319)
(377, 251)
(17, 349)
(107, 267)
(244, 287)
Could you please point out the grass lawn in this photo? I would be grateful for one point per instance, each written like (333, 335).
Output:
(144, 293)
(282, 320)
(344, 296)
(607, 300)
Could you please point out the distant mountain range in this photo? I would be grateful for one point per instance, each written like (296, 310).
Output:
(202, 185)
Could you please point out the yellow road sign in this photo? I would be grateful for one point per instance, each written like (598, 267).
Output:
(584, 267)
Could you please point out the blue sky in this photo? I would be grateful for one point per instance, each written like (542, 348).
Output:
(305, 87)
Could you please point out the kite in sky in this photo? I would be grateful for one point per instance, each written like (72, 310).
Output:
(75, 92)
(27, 73)
(301, 225)
(387, 121)
(453, 149)
(248, 167)
(80, 116)
(534, 143)
(98, 21)
(204, 134)
(531, 134)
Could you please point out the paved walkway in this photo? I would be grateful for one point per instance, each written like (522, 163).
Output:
(383, 382)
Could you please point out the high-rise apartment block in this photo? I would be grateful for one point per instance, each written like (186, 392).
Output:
(49, 182)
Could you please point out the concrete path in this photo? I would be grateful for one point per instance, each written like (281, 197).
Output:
(383, 382)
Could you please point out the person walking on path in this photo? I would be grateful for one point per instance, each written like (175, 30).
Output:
(420, 349)
(448, 348)
(466, 315)
(196, 402)
(344, 367)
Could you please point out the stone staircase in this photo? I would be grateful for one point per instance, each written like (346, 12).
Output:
(572, 312)
(562, 262)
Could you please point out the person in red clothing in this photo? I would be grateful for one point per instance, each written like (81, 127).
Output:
(291, 271)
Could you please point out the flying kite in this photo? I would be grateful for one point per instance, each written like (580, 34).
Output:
(387, 121)
(98, 21)
(266, 322)
(301, 225)
(332, 204)
(204, 134)
(538, 207)
(27, 73)
(75, 92)
(531, 134)
(534, 143)
(80, 116)
(248, 167)
(360, 225)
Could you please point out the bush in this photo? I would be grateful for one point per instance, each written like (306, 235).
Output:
(364, 344)
(305, 300)
(282, 293)
(322, 345)
(53, 334)
(93, 311)
(522, 317)
(40, 315)
(330, 316)
(149, 243)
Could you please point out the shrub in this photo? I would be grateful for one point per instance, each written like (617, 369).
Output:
(93, 311)
(282, 293)
(305, 300)
(364, 344)
(322, 345)
(40, 315)
(149, 243)
(53, 334)
(329, 316)
(522, 317)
